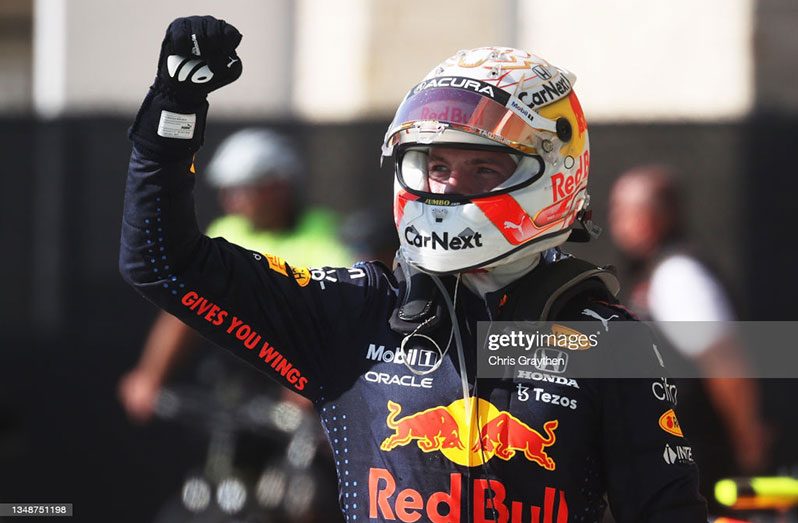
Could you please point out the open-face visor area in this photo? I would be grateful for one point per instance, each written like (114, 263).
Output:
(465, 170)
(472, 112)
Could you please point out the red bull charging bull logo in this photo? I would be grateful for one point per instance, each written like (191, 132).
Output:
(470, 440)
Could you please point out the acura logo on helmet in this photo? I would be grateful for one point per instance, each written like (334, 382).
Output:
(460, 82)
(467, 239)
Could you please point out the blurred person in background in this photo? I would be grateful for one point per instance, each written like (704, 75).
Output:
(371, 235)
(670, 282)
(258, 174)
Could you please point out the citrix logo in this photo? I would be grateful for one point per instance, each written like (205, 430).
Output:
(467, 239)
(665, 391)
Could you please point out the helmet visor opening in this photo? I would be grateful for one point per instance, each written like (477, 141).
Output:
(469, 111)
(465, 171)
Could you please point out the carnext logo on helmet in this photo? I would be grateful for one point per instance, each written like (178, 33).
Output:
(467, 239)
(549, 92)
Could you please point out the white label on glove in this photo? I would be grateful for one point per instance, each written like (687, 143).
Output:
(176, 125)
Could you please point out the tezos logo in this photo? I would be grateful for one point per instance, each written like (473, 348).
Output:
(467, 239)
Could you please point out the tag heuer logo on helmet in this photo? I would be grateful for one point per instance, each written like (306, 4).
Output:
(459, 82)
(548, 92)
(467, 239)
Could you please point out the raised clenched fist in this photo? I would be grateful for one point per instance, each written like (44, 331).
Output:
(198, 56)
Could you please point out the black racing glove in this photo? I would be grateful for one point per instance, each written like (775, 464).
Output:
(197, 56)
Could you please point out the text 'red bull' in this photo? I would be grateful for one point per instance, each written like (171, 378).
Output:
(489, 501)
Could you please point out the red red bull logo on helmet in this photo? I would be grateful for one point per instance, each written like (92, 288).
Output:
(564, 190)
(470, 439)
(563, 186)
(446, 112)
(387, 502)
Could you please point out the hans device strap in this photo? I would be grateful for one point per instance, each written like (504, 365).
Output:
(540, 295)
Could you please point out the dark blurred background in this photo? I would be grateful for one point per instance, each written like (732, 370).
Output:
(69, 326)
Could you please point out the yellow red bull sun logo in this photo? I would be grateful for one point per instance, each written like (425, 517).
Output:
(470, 442)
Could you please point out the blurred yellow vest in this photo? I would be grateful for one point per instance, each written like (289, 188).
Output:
(312, 243)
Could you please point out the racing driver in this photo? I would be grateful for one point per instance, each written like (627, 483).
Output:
(492, 158)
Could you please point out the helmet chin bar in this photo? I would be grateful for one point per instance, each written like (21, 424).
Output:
(540, 244)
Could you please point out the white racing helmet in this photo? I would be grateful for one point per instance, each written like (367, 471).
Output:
(491, 99)
(252, 156)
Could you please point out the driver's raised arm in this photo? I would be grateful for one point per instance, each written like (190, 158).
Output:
(275, 316)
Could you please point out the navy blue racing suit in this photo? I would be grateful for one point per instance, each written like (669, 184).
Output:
(553, 449)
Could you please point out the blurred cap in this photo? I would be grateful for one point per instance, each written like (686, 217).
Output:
(253, 156)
